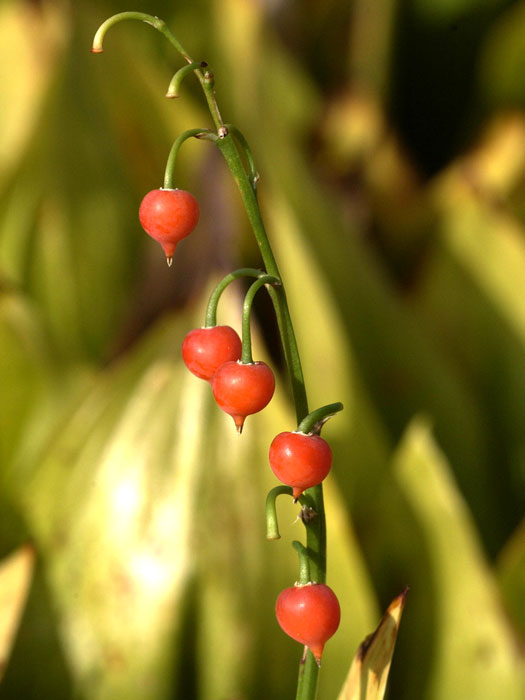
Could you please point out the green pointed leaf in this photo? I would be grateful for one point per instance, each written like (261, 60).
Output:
(473, 652)
(470, 302)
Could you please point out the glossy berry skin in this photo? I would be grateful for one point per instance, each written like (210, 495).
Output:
(299, 460)
(242, 389)
(310, 614)
(168, 216)
(204, 350)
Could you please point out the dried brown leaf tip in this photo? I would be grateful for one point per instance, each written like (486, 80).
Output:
(368, 673)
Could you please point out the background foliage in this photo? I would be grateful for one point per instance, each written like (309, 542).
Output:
(390, 138)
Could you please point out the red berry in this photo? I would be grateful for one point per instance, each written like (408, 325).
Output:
(168, 216)
(204, 350)
(242, 389)
(300, 460)
(310, 614)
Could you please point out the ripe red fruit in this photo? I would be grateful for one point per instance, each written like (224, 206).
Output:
(242, 389)
(300, 460)
(204, 350)
(310, 614)
(168, 216)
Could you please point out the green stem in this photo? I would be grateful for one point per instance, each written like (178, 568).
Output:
(272, 524)
(204, 76)
(304, 564)
(307, 678)
(154, 22)
(246, 357)
(254, 175)
(176, 81)
(170, 165)
(211, 309)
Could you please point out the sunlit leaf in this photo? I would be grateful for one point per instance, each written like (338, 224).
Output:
(15, 579)
(117, 540)
(35, 35)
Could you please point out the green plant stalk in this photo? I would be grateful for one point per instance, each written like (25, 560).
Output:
(272, 524)
(316, 529)
(254, 175)
(176, 81)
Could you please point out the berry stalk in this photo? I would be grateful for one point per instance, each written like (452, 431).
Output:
(246, 313)
(211, 309)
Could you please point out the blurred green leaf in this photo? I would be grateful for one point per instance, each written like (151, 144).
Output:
(503, 60)
(37, 667)
(36, 37)
(117, 542)
(69, 229)
(441, 12)
(478, 257)
(511, 576)
(25, 370)
(473, 652)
